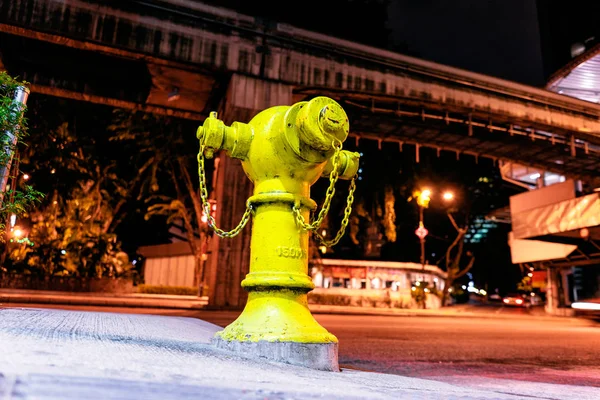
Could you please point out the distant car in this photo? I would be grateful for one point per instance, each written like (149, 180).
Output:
(587, 308)
(515, 300)
(494, 297)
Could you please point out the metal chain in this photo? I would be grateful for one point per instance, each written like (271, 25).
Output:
(206, 205)
(347, 212)
(333, 177)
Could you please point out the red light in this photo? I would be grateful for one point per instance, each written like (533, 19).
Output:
(519, 301)
(506, 301)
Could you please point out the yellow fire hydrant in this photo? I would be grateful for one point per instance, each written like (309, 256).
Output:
(284, 150)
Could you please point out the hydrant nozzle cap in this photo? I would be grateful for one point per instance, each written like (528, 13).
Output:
(333, 121)
(322, 121)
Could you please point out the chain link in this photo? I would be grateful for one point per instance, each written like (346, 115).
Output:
(316, 224)
(347, 212)
(333, 178)
(206, 205)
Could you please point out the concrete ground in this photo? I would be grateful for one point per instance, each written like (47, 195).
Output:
(58, 354)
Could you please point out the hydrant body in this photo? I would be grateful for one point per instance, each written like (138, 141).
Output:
(284, 150)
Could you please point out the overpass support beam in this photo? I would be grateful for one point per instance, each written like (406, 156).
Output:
(229, 259)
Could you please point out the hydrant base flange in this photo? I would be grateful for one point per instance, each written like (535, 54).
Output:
(321, 356)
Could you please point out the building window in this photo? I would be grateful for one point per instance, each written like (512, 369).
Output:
(369, 85)
(124, 31)
(210, 52)
(317, 76)
(141, 37)
(243, 62)
(339, 79)
(108, 29)
(157, 41)
(224, 54)
(186, 48)
(357, 83)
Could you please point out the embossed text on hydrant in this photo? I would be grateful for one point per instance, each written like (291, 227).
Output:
(291, 252)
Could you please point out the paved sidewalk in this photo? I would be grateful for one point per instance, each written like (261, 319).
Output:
(56, 354)
(102, 299)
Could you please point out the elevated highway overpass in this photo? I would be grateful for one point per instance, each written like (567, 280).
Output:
(210, 58)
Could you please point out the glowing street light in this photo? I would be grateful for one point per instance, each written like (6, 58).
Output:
(423, 197)
(25, 176)
(17, 233)
(448, 196)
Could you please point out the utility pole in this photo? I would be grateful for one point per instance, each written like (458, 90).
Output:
(20, 99)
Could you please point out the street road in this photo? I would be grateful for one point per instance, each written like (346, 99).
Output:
(460, 350)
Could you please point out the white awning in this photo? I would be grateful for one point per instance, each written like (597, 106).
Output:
(578, 217)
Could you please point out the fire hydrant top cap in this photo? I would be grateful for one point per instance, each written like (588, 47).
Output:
(333, 121)
(322, 121)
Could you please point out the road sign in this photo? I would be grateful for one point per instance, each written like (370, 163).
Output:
(421, 232)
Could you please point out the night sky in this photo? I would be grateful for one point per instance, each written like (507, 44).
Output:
(521, 40)
(498, 38)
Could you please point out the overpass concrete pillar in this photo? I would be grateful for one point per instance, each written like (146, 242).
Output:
(229, 259)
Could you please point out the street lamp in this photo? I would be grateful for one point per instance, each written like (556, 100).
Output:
(423, 198)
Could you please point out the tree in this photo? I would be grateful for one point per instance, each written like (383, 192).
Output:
(67, 237)
(160, 149)
(389, 216)
(70, 233)
(454, 255)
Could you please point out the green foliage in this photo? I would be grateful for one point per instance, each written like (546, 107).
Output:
(70, 233)
(525, 285)
(389, 217)
(12, 117)
(68, 238)
(13, 124)
(422, 290)
(357, 300)
(176, 290)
